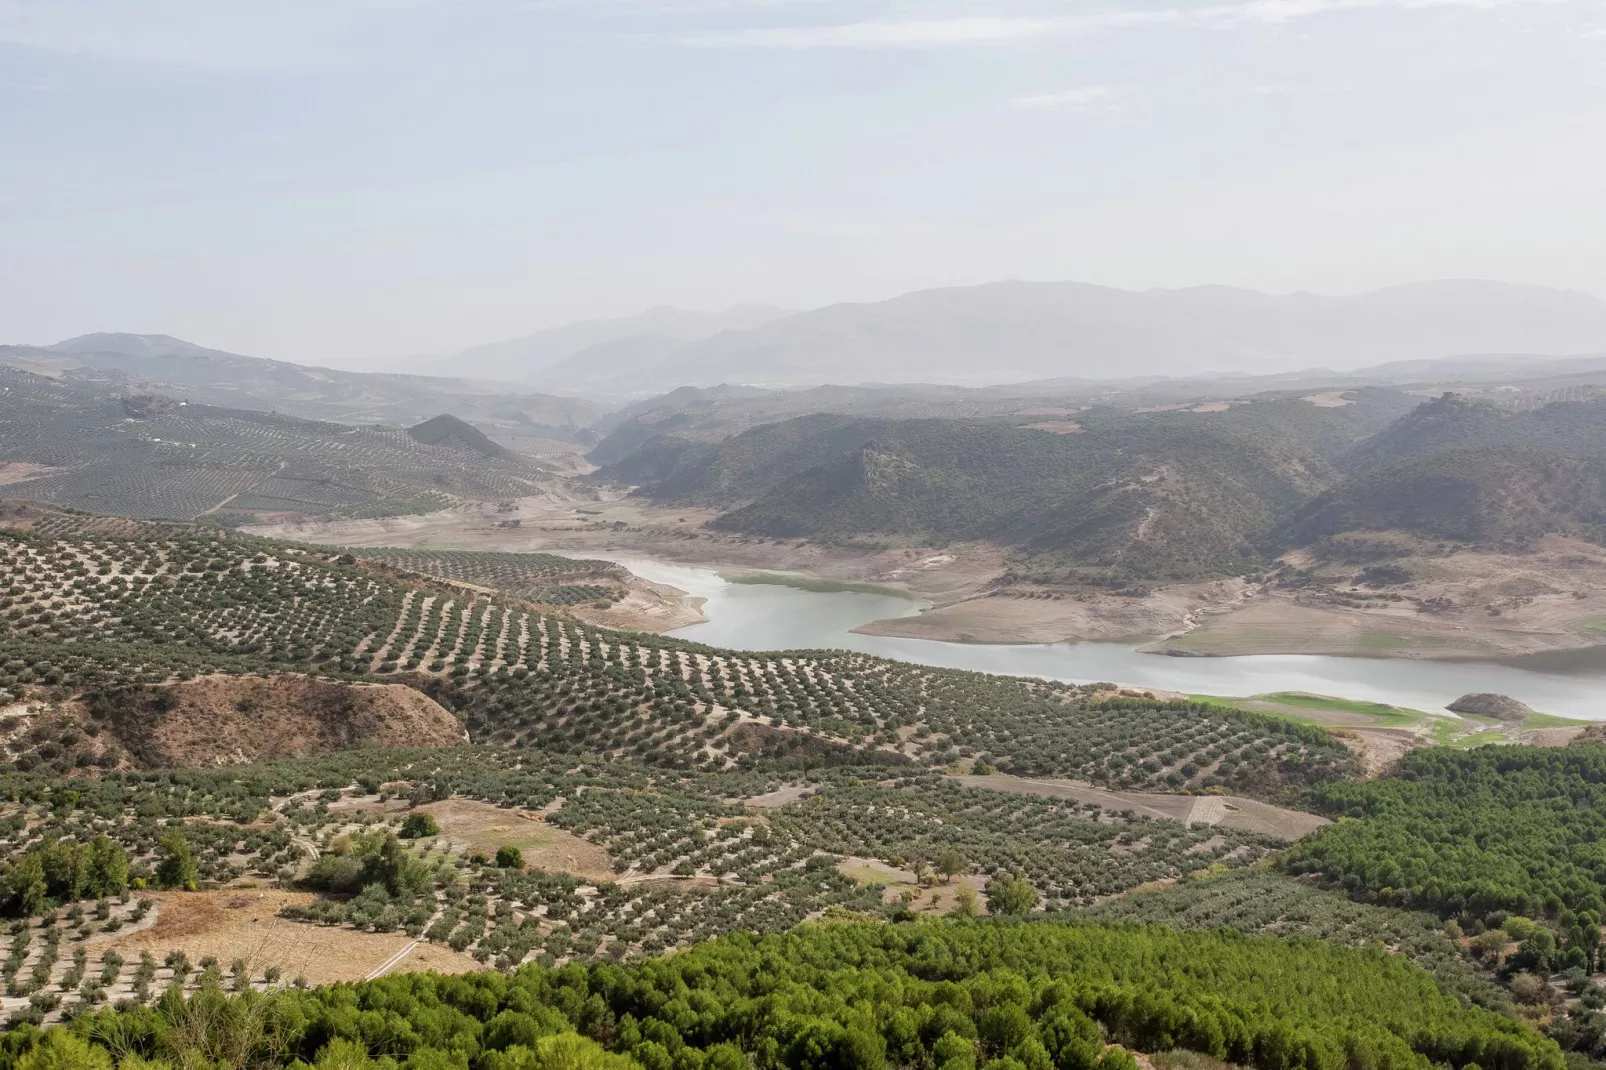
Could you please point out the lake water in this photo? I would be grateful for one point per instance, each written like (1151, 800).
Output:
(779, 612)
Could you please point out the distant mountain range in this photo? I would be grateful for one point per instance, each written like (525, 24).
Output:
(601, 354)
(1011, 332)
(158, 363)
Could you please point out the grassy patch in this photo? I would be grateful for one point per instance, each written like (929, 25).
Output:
(1547, 720)
(1478, 739)
(1381, 714)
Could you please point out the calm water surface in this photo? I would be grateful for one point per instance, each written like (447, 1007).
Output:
(780, 612)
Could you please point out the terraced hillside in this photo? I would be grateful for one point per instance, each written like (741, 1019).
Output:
(156, 457)
(100, 612)
(545, 578)
(624, 795)
(628, 860)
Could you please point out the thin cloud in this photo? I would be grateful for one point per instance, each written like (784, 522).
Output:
(1078, 99)
(926, 33)
(235, 35)
(963, 31)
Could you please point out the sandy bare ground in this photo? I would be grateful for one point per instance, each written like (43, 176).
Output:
(244, 923)
(469, 825)
(21, 471)
(940, 898)
(774, 800)
(1552, 598)
(1079, 616)
(1224, 811)
(485, 827)
(646, 607)
(1378, 749)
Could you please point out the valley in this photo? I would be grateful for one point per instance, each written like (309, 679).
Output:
(1550, 596)
(605, 536)
(464, 716)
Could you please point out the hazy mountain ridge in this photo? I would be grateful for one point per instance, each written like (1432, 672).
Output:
(150, 456)
(632, 342)
(1021, 331)
(166, 365)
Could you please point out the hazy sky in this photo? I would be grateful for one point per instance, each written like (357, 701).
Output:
(342, 180)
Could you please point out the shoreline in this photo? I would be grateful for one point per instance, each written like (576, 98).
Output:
(959, 585)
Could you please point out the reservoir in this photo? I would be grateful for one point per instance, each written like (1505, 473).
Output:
(782, 612)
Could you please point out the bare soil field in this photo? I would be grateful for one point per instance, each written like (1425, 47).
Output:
(482, 826)
(244, 923)
(940, 898)
(778, 798)
(469, 825)
(1225, 811)
(646, 607)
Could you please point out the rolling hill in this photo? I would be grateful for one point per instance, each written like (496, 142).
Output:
(1171, 494)
(73, 444)
(1159, 495)
(1471, 471)
(159, 364)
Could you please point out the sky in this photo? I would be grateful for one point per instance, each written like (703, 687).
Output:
(356, 182)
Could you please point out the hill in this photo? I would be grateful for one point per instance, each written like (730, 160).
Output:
(1019, 331)
(449, 432)
(641, 794)
(708, 415)
(234, 720)
(149, 456)
(1471, 471)
(158, 364)
(1508, 495)
(1171, 494)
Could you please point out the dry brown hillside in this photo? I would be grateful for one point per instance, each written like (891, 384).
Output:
(224, 720)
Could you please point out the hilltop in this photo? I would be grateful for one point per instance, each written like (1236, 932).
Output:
(159, 364)
(1160, 495)
(74, 444)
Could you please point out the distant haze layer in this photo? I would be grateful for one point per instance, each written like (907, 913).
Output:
(1019, 331)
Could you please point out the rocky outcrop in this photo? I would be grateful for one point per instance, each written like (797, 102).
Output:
(1489, 704)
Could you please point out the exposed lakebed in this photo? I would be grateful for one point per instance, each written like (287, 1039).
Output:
(764, 611)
